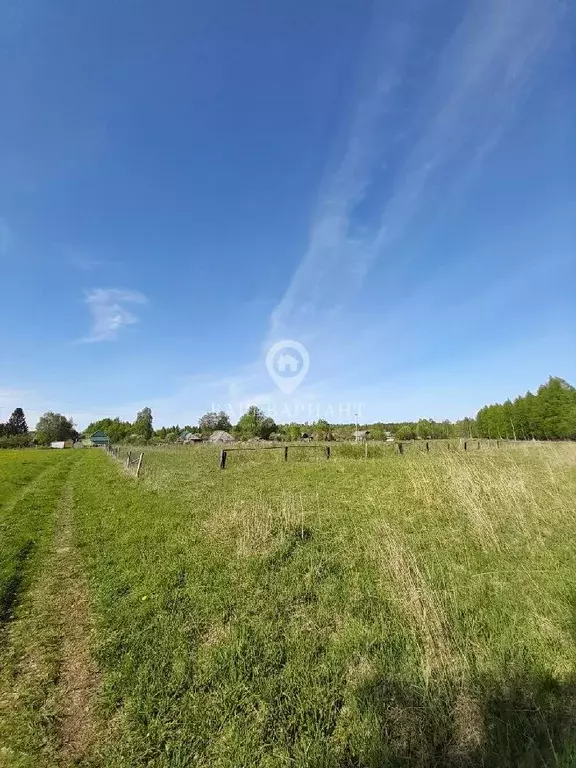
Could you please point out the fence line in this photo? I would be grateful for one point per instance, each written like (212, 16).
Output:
(456, 444)
(131, 463)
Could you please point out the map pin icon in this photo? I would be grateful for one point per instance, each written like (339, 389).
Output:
(287, 362)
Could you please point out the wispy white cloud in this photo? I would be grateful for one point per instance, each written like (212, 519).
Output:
(480, 76)
(6, 238)
(86, 260)
(485, 71)
(85, 263)
(109, 313)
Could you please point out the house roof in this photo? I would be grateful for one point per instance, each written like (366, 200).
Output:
(360, 432)
(99, 435)
(220, 436)
(189, 437)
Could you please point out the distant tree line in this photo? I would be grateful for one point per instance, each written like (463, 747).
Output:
(550, 414)
(51, 427)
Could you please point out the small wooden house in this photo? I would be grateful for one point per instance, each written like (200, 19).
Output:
(189, 438)
(220, 436)
(99, 438)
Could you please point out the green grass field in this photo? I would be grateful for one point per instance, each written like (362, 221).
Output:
(414, 610)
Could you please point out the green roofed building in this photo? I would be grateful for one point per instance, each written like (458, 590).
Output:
(99, 438)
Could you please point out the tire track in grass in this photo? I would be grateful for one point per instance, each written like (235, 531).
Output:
(78, 675)
(21, 492)
(12, 587)
(55, 677)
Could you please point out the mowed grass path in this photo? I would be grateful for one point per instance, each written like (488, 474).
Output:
(414, 610)
(31, 487)
(30, 484)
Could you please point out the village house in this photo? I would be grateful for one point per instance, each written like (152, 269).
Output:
(220, 436)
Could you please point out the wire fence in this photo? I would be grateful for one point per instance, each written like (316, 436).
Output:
(374, 449)
(132, 462)
(132, 459)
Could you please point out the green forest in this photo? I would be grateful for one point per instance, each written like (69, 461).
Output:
(550, 414)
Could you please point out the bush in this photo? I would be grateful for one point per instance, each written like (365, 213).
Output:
(16, 441)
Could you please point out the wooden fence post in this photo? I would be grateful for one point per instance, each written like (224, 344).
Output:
(478, 444)
(285, 453)
(139, 465)
(465, 445)
(128, 459)
(223, 455)
(327, 451)
(365, 449)
(400, 449)
(427, 447)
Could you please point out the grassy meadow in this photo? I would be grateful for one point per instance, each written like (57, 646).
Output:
(414, 610)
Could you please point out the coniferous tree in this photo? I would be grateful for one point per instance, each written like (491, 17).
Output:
(16, 424)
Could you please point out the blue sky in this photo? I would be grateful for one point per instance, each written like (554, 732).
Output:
(182, 185)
